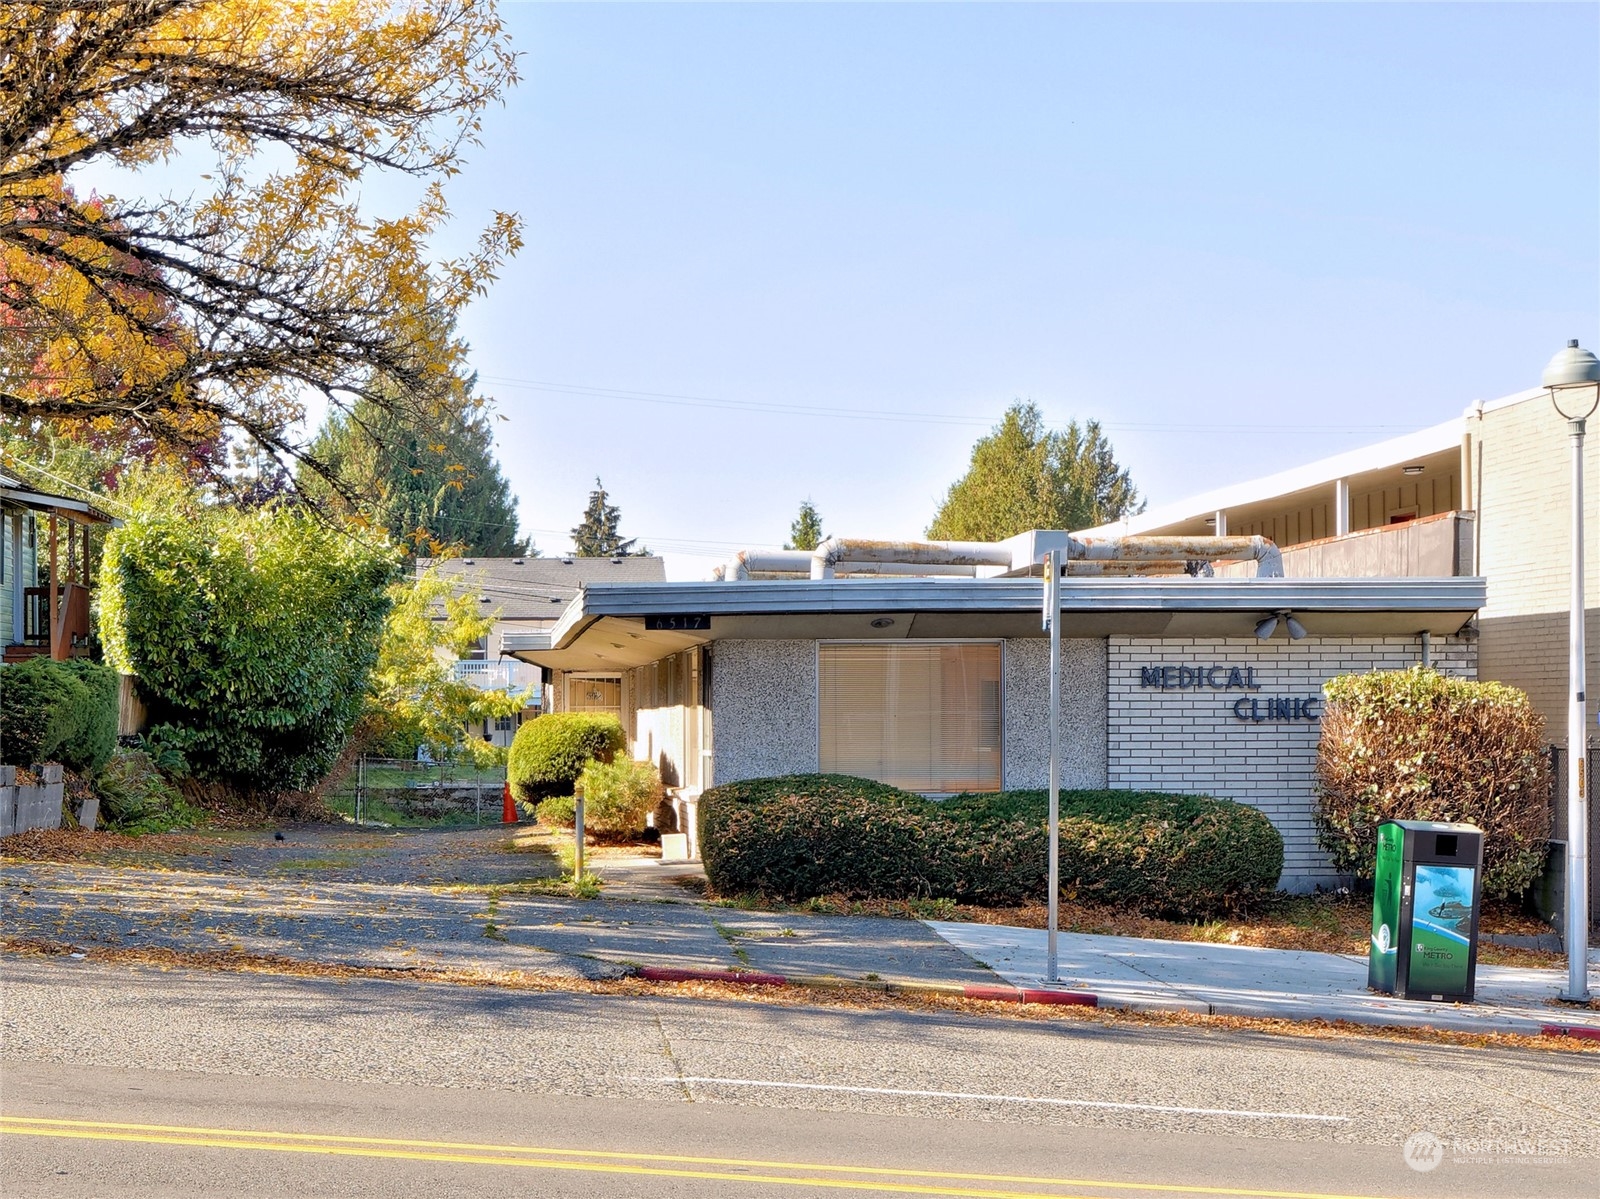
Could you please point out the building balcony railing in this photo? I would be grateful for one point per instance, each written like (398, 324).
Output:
(1431, 547)
(486, 676)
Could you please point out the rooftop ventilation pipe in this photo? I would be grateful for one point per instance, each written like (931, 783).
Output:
(1019, 556)
(1268, 558)
(754, 564)
(827, 556)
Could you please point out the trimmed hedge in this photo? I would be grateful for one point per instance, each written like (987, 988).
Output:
(58, 712)
(800, 836)
(549, 752)
(1420, 745)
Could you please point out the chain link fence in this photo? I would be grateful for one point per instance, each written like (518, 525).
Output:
(412, 794)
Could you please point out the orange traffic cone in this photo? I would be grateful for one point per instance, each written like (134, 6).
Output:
(508, 814)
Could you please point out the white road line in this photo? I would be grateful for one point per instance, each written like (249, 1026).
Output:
(1095, 1103)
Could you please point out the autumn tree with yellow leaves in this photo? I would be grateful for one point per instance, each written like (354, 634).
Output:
(219, 314)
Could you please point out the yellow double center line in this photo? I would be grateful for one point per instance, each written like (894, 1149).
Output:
(886, 1180)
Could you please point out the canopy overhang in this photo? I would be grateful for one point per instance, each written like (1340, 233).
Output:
(619, 626)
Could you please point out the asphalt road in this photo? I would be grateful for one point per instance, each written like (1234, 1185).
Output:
(136, 1082)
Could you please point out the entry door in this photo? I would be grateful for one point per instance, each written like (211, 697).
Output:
(595, 693)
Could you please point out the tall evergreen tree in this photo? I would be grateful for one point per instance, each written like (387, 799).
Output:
(806, 531)
(431, 488)
(1022, 476)
(599, 535)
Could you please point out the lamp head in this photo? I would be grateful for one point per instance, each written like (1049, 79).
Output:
(1266, 628)
(1296, 629)
(1573, 381)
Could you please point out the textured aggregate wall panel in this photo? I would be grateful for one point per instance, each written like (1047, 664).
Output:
(1188, 739)
(1026, 721)
(764, 708)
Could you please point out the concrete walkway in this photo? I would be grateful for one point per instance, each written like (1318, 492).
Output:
(1238, 980)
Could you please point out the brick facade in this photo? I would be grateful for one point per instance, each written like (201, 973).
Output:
(1189, 739)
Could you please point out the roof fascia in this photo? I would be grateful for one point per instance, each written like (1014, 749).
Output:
(807, 597)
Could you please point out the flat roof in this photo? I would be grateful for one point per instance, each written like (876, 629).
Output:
(606, 626)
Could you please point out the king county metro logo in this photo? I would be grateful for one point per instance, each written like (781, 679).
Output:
(1423, 1151)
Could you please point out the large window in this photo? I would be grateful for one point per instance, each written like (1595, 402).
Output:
(925, 717)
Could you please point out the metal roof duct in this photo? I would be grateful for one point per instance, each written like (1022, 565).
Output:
(1017, 556)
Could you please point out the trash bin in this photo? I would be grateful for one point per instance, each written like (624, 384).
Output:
(1425, 900)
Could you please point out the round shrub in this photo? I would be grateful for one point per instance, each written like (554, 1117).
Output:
(58, 712)
(549, 753)
(1419, 745)
(805, 835)
(618, 794)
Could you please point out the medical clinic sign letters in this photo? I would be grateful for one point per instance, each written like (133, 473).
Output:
(1252, 708)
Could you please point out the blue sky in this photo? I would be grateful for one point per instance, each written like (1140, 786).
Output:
(1241, 236)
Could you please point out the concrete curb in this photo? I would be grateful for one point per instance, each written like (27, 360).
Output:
(1531, 1026)
(885, 986)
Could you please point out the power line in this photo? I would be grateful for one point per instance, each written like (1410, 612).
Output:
(779, 408)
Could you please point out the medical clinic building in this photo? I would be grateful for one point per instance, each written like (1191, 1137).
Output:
(1189, 665)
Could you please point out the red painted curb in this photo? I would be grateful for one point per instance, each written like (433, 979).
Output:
(1071, 998)
(1571, 1030)
(1017, 995)
(675, 974)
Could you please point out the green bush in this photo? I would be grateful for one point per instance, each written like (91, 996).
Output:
(549, 752)
(617, 795)
(58, 712)
(559, 811)
(134, 793)
(1420, 745)
(253, 633)
(806, 835)
(96, 739)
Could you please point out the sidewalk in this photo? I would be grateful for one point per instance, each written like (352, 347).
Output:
(658, 931)
(1237, 980)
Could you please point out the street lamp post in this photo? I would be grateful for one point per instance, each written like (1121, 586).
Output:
(1573, 380)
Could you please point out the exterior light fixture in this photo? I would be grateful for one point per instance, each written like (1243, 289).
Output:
(1266, 627)
(1414, 469)
(882, 622)
(1573, 381)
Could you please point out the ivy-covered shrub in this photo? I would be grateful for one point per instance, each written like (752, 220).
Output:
(58, 712)
(804, 835)
(252, 632)
(135, 795)
(550, 751)
(1420, 745)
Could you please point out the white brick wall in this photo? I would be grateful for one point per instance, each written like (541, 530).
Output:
(1190, 741)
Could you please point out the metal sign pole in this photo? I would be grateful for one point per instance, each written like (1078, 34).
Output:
(1052, 592)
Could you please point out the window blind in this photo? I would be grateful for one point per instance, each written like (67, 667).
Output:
(925, 717)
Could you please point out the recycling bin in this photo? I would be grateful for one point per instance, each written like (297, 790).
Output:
(1425, 901)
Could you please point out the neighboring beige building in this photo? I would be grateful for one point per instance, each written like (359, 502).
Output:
(528, 595)
(1488, 494)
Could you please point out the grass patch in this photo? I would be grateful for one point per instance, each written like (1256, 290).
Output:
(339, 861)
(424, 814)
